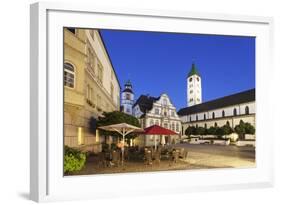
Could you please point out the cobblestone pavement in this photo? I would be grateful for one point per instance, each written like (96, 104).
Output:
(199, 157)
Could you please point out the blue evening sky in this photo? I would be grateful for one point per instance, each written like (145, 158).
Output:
(158, 63)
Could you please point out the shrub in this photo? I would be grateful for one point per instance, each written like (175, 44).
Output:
(74, 160)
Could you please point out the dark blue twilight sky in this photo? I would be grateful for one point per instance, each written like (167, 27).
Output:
(159, 62)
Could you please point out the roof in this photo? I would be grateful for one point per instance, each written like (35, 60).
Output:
(193, 71)
(128, 90)
(238, 98)
(128, 83)
(145, 102)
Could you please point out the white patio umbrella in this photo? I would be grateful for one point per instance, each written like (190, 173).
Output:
(123, 129)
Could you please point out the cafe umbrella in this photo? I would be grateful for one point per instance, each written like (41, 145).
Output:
(123, 129)
(158, 130)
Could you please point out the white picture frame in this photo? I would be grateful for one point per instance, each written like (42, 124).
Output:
(47, 182)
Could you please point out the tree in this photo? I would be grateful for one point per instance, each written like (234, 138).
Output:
(212, 130)
(220, 132)
(200, 131)
(249, 129)
(240, 129)
(227, 129)
(116, 117)
(190, 131)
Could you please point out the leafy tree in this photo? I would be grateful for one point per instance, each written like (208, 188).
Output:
(200, 131)
(249, 129)
(240, 129)
(212, 130)
(191, 130)
(116, 117)
(227, 129)
(220, 132)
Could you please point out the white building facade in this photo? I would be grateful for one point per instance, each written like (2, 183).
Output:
(157, 111)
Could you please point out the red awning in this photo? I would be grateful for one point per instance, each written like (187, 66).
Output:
(158, 130)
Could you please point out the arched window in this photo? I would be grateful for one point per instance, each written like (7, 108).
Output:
(157, 122)
(190, 79)
(234, 111)
(247, 110)
(69, 75)
(213, 115)
(223, 113)
(227, 123)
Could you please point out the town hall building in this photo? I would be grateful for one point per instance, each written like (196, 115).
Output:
(218, 112)
(157, 111)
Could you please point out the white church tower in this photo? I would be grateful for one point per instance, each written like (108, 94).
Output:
(194, 89)
(127, 98)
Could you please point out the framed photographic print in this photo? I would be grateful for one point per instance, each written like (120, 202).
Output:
(143, 101)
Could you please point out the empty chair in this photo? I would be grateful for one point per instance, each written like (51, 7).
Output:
(147, 157)
(157, 156)
(115, 158)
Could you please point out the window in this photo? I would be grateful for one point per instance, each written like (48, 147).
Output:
(196, 117)
(69, 75)
(247, 110)
(157, 122)
(111, 90)
(151, 122)
(213, 115)
(100, 73)
(205, 126)
(91, 61)
(166, 125)
(223, 113)
(72, 30)
(190, 79)
(165, 113)
(80, 135)
(165, 102)
(196, 125)
(177, 127)
(190, 119)
(173, 113)
(191, 99)
(198, 79)
(128, 97)
(234, 111)
(216, 124)
(173, 126)
(128, 110)
(191, 92)
(156, 111)
(204, 116)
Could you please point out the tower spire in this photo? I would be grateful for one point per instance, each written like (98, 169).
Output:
(193, 90)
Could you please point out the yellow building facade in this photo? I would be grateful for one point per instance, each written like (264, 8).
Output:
(91, 87)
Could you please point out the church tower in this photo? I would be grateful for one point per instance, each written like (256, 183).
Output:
(127, 98)
(194, 89)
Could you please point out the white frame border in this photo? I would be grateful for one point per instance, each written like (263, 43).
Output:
(39, 87)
